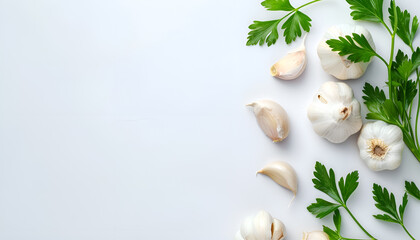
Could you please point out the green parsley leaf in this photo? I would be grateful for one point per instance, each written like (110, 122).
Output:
(263, 32)
(415, 59)
(412, 189)
(322, 208)
(337, 220)
(368, 10)
(347, 187)
(403, 30)
(357, 47)
(325, 182)
(385, 202)
(332, 235)
(293, 25)
(402, 207)
(277, 5)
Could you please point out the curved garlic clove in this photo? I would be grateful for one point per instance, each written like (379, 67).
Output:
(315, 235)
(272, 119)
(247, 228)
(292, 65)
(278, 230)
(282, 173)
(262, 225)
(339, 66)
(334, 112)
(381, 145)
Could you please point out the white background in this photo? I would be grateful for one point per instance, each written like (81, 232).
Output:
(126, 120)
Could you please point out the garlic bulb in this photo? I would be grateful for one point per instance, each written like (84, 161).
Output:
(334, 112)
(261, 227)
(339, 66)
(282, 173)
(292, 65)
(381, 145)
(272, 119)
(315, 235)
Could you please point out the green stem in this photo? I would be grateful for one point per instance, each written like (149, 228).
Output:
(297, 9)
(405, 229)
(391, 57)
(418, 104)
(357, 222)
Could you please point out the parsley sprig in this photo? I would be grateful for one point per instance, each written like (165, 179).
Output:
(325, 182)
(397, 107)
(267, 31)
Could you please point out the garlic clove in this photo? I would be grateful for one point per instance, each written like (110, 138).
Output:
(272, 119)
(262, 225)
(381, 145)
(339, 66)
(292, 65)
(278, 230)
(334, 112)
(238, 236)
(315, 235)
(282, 173)
(247, 229)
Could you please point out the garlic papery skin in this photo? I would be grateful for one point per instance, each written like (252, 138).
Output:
(292, 65)
(339, 66)
(315, 235)
(381, 145)
(262, 226)
(272, 119)
(334, 112)
(282, 173)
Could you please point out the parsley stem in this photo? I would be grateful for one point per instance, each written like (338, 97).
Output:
(357, 222)
(405, 229)
(306, 4)
(418, 104)
(391, 58)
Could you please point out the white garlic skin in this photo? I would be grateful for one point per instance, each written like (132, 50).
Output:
(292, 65)
(339, 66)
(315, 235)
(262, 226)
(381, 145)
(334, 112)
(282, 173)
(272, 119)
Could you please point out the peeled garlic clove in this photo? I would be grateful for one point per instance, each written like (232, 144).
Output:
(334, 112)
(339, 66)
(282, 173)
(278, 230)
(247, 229)
(381, 145)
(316, 235)
(292, 65)
(272, 119)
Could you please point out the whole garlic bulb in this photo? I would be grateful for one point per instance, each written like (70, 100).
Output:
(292, 65)
(334, 112)
(272, 119)
(339, 66)
(261, 227)
(381, 145)
(315, 235)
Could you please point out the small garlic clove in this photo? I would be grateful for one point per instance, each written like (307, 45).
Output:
(262, 225)
(315, 235)
(278, 230)
(272, 119)
(247, 229)
(282, 173)
(292, 65)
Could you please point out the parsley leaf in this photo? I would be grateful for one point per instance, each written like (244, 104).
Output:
(347, 187)
(322, 208)
(292, 26)
(412, 189)
(325, 182)
(403, 30)
(357, 47)
(368, 10)
(337, 220)
(415, 59)
(332, 235)
(277, 5)
(385, 202)
(263, 32)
